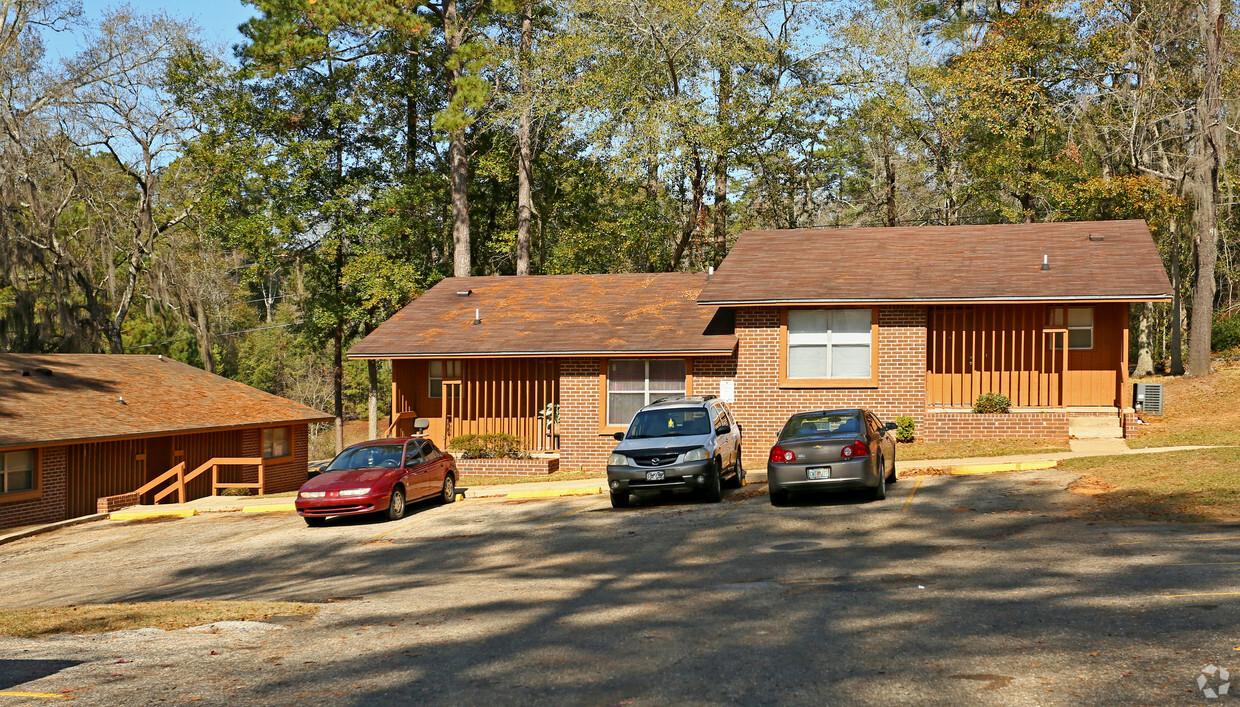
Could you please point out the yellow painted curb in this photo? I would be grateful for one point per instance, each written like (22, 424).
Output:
(992, 468)
(47, 695)
(269, 508)
(141, 515)
(552, 493)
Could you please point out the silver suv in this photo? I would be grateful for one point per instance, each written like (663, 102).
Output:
(679, 443)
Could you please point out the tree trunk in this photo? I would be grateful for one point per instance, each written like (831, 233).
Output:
(454, 37)
(372, 401)
(891, 189)
(724, 120)
(338, 385)
(524, 167)
(695, 213)
(1177, 305)
(1145, 338)
(1208, 160)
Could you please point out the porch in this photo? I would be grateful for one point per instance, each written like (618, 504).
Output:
(518, 397)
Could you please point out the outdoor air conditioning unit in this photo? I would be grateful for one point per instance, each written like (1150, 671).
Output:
(1148, 397)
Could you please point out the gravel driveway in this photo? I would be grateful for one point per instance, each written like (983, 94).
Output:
(954, 590)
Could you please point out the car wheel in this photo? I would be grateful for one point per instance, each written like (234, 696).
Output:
(737, 479)
(448, 494)
(713, 493)
(396, 508)
(880, 491)
(619, 499)
(315, 522)
(779, 497)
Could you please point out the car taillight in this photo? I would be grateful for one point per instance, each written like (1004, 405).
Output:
(779, 455)
(856, 449)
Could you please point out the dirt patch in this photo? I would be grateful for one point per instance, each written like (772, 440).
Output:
(1196, 410)
(167, 615)
(1192, 486)
(927, 471)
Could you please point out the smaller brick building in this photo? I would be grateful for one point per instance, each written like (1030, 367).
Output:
(78, 428)
(904, 321)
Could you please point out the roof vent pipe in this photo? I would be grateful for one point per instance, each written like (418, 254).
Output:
(710, 272)
(477, 316)
(1045, 265)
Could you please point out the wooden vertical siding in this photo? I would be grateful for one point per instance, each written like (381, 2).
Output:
(198, 448)
(1005, 349)
(100, 469)
(496, 395)
(490, 395)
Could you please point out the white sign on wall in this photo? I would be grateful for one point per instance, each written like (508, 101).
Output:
(727, 391)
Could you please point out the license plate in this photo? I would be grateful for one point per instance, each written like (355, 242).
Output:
(818, 472)
(654, 476)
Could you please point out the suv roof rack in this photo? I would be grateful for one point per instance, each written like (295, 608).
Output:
(703, 398)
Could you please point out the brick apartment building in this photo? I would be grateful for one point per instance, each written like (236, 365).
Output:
(905, 321)
(75, 429)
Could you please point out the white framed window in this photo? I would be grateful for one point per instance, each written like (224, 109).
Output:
(276, 443)
(1079, 321)
(829, 343)
(633, 383)
(436, 372)
(17, 471)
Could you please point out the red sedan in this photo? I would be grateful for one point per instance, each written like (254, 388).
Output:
(380, 476)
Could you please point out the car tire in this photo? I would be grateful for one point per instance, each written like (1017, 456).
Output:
(619, 499)
(315, 521)
(713, 493)
(396, 507)
(891, 478)
(779, 497)
(448, 493)
(737, 479)
(880, 491)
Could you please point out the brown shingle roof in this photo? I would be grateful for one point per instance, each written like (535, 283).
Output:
(79, 400)
(553, 315)
(942, 264)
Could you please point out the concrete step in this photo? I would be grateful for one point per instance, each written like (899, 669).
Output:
(1081, 427)
(1099, 422)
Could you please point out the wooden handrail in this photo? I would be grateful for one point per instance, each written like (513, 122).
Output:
(405, 415)
(180, 467)
(216, 463)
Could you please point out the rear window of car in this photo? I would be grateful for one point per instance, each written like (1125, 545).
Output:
(374, 456)
(673, 422)
(824, 423)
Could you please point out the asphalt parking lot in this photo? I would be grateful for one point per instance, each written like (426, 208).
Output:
(954, 590)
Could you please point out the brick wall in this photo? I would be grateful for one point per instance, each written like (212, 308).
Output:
(1132, 424)
(286, 476)
(949, 426)
(50, 506)
(762, 407)
(507, 467)
(107, 504)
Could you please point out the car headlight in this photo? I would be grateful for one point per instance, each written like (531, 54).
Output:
(617, 460)
(697, 455)
(313, 494)
(354, 492)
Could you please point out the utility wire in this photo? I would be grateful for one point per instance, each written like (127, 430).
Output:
(223, 333)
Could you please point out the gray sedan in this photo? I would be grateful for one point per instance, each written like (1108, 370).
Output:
(830, 450)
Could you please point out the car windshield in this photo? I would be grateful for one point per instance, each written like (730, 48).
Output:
(373, 456)
(675, 422)
(822, 423)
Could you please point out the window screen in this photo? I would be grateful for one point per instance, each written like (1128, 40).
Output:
(829, 343)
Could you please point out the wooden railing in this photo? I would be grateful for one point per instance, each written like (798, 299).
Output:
(396, 420)
(515, 397)
(178, 478)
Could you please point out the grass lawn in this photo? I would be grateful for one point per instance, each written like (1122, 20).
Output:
(1195, 410)
(976, 448)
(557, 476)
(169, 615)
(1193, 486)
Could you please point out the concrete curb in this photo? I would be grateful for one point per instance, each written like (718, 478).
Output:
(39, 530)
(992, 468)
(269, 508)
(554, 493)
(143, 515)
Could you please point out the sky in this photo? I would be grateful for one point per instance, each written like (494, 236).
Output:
(218, 19)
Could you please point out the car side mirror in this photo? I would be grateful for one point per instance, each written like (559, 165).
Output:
(724, 430)
(891, 426)
(619, 436)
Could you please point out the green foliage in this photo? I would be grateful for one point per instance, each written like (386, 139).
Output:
(1225, 334)
(991, 403)
(488, 446)
(904, 428)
